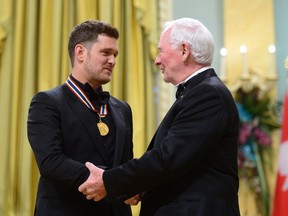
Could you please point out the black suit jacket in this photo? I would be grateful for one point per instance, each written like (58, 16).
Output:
(190, 167)
(63, 136)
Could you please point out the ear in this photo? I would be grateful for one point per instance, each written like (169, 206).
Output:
(185, 51)
(80, 52)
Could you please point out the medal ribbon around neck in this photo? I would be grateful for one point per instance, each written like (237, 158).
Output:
(103, 128)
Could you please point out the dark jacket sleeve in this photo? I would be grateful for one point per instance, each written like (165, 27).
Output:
(191, 131)
(45, 137)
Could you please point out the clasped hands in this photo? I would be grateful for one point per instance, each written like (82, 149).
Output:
(94, 188)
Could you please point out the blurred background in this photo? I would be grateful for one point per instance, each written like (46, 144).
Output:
(251, 48)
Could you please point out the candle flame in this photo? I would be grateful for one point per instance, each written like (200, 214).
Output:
(223, 52)
(271, 49)
(243, 49)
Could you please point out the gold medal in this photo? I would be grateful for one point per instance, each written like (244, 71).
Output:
(103, 128)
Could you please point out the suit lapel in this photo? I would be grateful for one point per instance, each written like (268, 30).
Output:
(120, 126)
(189, 84)
(88, 120)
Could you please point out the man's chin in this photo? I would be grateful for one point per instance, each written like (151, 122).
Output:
(105, 81)
(166, 80)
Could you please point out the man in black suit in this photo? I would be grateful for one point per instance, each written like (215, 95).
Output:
(78, 122)
(190, 167)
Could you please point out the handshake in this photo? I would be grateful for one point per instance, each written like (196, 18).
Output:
(94, 188)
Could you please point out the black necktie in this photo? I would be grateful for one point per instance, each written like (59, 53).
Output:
(179, 92)
(101, 96)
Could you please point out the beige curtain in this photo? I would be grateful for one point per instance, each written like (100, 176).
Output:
(34, 57)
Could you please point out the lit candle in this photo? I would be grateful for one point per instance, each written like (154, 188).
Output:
(272, 50)
(223, 53)
(243, 51)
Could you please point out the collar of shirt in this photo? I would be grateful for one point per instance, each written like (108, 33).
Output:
(86, 87)
(194, 74)
(101, 96)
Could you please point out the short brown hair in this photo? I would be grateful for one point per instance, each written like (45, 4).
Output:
(87, 32)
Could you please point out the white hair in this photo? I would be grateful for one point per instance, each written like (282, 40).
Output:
(193, 32)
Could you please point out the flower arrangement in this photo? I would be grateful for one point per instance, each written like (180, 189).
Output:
(258, 119)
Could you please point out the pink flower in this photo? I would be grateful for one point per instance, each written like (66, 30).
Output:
(261, 137)
(244, 133)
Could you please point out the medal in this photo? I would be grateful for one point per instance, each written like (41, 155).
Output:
(103, 128)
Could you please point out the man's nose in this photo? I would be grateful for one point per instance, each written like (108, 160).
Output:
(157, 61)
